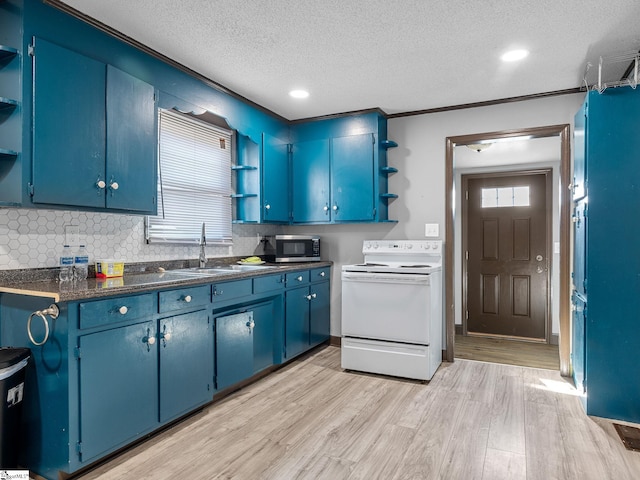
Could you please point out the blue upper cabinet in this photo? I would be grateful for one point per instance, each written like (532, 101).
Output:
(275, 180)
(94, 134)
(339, 170)
(579, 187)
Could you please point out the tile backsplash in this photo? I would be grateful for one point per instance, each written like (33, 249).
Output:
(33, 238)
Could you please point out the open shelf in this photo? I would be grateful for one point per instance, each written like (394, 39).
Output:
(7, 52)
(244, 195)
(5, 153)
(388, 144)
(243, 167)
(7, 103)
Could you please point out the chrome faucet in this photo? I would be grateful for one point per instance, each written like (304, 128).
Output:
(203, 242)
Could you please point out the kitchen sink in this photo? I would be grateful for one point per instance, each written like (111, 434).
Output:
(221, 270)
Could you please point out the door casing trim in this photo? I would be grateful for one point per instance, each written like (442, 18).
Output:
(563, 132)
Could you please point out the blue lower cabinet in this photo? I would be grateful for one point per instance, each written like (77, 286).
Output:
(185, 344)
(118, 388)
(264, 319)
(319, 316)
(234, 348)
(296, 321)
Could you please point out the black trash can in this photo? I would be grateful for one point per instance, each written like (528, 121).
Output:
(12, 372)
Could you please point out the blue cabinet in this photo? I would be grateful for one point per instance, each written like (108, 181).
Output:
(310, 188)
(118, 379)
(94, 142)
(307, 310)
(606, 346)
(185, 344)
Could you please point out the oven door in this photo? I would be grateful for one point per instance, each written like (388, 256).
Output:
(386, 306)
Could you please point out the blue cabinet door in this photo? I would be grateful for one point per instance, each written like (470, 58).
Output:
(352, 188)
(319, 317)
(131, 172)
(580, 223)
(69, 127)
(578, 342)
(579, 153)
(263, 335)
(310, 169)
(296, 321)
(118, 387)
(234, 348)
(185, 343)
(275, 180)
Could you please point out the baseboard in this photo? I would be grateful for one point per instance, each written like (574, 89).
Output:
(335, 341)
(555, 339)
(458, 329)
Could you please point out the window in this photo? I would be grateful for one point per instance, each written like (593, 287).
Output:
(505, 197)
(194, 181)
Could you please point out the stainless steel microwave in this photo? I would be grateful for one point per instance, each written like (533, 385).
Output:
(292, 248)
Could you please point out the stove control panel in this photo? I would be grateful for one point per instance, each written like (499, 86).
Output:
(402, 246)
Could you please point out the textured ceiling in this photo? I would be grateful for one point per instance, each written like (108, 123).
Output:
(399, 55)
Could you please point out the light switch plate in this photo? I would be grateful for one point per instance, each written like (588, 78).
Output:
(431, 230)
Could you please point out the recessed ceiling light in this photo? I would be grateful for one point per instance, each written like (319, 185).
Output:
(514, 55)
(299, 93)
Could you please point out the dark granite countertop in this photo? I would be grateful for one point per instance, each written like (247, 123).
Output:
(137, 278)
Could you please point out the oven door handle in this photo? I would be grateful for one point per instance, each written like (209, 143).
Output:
(377, 277)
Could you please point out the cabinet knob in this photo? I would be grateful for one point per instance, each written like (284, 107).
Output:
(151, 340)
(123, 310)
(325, 208)
(188, 299)
(314, 295)
(251, 324)
(308, 297)
(165, 336)
(101, 184)
(114, 185)
(322, 274)
(217, 292)
(299, 278)
(267, 206)
(335, 208)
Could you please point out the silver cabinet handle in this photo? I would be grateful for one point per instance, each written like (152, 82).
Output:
(188, 299)
(123, 310)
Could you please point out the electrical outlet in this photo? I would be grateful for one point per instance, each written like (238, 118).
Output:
(431, 230)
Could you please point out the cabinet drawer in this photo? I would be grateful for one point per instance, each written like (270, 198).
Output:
(295, 279)
(227, 290)
(320, 274)
(268, 283)
(184, 298)
(102, 312)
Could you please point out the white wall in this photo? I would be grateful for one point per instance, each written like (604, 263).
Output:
(420, 182)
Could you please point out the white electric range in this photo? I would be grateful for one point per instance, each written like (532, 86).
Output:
(392, 309)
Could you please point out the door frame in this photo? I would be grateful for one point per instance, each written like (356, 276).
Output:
(548, 173)
(562, 131)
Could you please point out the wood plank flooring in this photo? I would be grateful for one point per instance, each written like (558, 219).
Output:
(498, 350)
(312, 420)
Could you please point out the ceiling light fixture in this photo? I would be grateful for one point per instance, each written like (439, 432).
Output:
(478, 147)
(514, 55)
(299, 93)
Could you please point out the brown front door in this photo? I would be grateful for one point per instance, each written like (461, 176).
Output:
(506, 245)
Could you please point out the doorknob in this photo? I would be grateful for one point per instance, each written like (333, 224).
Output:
(539, 258)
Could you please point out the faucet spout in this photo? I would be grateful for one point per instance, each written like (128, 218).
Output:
(203, 242)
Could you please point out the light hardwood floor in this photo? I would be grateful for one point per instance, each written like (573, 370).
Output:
(312, 420)
(511, 352)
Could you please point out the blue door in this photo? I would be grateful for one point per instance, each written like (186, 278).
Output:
(310, 165)
(69, 127)
(352, 160)
(185, 343)
(118, 387)
(131, 173)
(275, 180)
(319, 316)
(234, 348)
(296, 321)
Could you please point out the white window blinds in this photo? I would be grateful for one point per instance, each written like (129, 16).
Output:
(194, 182)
